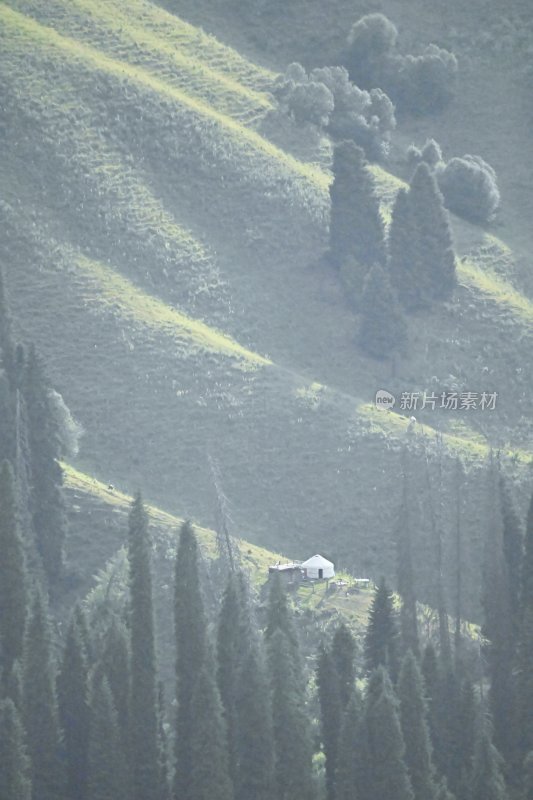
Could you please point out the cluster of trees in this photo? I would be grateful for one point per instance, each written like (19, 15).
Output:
(327, 98)
(409, 269)
(420, 84)
(404, 720)
(35, 429)
(468, 183)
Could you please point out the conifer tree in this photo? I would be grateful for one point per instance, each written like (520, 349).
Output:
(434, 248)
(329, 695)
(279, 616)
(292, 743)
(13, 577)
(48, 513)
(162, 745)
(387, 770)
(72, 692)
(115, 663)
(350, 782)
(381, 639)
(382, 330)
(15, 781)
(106, 778)
(406, 576)
(254, 742)
(191, 647)
(144, 749)
(40, 716)
(413, 718)
(524, 676)
(487, 777)
(343, 655)
(356, 228)
(231, 647)
(404, 265)
(209, 753)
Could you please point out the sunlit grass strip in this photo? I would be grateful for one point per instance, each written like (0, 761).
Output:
(109, 28)
(471, 449)
(83, 53)
(78, 481)
(134, 304)
(495, 288)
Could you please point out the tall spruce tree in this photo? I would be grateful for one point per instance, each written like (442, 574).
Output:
(115, 664)
(434, 247)
(254, 740)
(107, 769)
(144, 729)
(40, 718)
(350, 783)
(487, 777)
(343, 655)
(404, 264)
(406, 574)
(331, 712)
(386, 769)
(292, 741)
(72, 693)
(356, 228)
(209, 748)
(415, 729)
(381, 638)
(524, 660)
(13, 577)
(382, 328)
(47, 505)
(15, 781)
(231, 648)
(191, 650)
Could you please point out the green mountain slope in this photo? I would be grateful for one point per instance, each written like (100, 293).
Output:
(164, 255)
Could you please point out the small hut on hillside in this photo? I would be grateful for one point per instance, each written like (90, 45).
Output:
(318, 568)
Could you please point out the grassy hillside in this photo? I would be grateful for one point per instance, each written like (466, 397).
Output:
(165, 256)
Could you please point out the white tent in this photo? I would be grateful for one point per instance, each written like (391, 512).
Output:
(318, 567)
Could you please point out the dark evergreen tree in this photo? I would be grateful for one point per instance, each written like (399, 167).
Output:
(387, 771)
(254, 740)
(209, 752)
(356, 228)
(72, 693)
(413, 718)
(524, 676)
(329, 695)
(15, 781)
(40, 716)
(162, 744)
(406, 575)
(350, 782)
(404, 264)
(382, 330)
(292, 742)
(47, 505)
(279, 615)
(434, 247)
(191, 645)
(144, 747)
(468, 713)
(231, 648)
(343, 655)
(115, 664)
(107, 769)
(13, 577)
(487, 777)
(381, 639)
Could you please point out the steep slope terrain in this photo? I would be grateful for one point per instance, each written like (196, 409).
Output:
(165, 256)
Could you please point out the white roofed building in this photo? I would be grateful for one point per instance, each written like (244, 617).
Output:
(317, 568)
